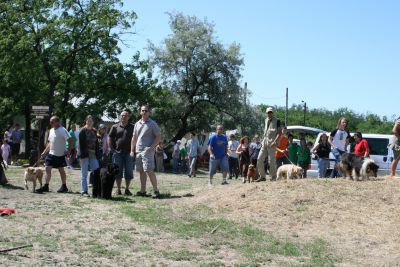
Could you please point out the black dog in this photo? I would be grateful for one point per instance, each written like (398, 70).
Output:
(104, 179)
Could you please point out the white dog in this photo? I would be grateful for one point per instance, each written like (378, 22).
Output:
(289, 171)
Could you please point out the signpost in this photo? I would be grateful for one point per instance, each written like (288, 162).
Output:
(40, 112)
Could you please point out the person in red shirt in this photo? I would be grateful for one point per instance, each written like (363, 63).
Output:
(362, 147)
(282, 149)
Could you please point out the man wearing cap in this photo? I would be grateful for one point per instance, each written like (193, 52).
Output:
(271, 135)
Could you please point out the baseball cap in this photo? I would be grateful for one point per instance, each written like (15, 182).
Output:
(179, 141)
(102, 126)
(269, 110)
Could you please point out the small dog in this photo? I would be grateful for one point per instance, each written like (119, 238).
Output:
(289, 171)
(251, 174)
(104, 181)
(355, 168)
(33, 174)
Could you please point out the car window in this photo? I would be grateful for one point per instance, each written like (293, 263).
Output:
(378, 146)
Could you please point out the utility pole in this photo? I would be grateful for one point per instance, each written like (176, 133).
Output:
(287, 107)
(305, 110)
(245, 94)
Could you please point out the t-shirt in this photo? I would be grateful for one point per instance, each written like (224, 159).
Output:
(176, 151)
(145, 132)
(254, 150)
(283, 143)
(323, 150)
(193, 146)
(57, 139)
(361, 148)
(121, 137)
(293, 148)
(16, 136)
(5, 150)
(218, 144)
(183, 153)
(74, 138)
(8, 136)
(339, 138)
(233, 145)
(303, 154)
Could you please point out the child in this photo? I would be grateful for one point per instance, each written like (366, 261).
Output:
(5, 152)
(244, 156)
(304, 156)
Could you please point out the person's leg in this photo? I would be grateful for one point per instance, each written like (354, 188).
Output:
(128, 167)
(321, 165)
(143, 181)
(272, 162)
(116, 159)
(213, 164)
(261, 161)
(175, 165)
(63, 175)
(84, 172)
(48, 175)
(230, 162)
(393, 168)
(148, 167)
(334, 172)
(325, 167)
(224, 169)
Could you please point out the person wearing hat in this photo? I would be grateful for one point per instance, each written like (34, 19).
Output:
(361, 148)
(271, 135)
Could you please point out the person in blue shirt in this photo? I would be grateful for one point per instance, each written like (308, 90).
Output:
(218, 148)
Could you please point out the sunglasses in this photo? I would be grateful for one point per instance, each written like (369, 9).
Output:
(144, 110)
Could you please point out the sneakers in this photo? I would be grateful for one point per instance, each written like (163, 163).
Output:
(85, 194)
(156, 194)
(141, 194)
(63, 189)
(118, 192)
(224, 182)
(43, 189)
(210, 182)
(244, 180)
(127, 192)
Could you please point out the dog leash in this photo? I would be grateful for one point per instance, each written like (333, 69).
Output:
(285, 156)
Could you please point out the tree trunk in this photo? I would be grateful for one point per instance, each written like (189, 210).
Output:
(28, 130)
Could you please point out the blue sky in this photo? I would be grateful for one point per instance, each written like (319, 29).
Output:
(330, 54)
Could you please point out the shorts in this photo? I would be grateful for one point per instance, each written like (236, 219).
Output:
(221, 163)
(396, 153)
(15, 148)
(145, 161)
(125, 164)
(55, 162)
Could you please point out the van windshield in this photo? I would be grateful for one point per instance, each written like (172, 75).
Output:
(378, 146)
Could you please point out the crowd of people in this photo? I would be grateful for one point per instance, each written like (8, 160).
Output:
(139, 146)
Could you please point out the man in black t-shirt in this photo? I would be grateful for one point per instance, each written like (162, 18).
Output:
(120, 137)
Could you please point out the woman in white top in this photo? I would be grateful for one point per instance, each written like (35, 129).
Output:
(339, 139)
(233, 157)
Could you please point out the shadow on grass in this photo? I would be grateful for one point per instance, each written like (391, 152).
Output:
(13, 187)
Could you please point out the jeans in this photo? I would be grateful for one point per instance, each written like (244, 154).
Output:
(125, 164)
(323, 165)
(233, 167)
(175, 165)
(85, 164)
(338, 157)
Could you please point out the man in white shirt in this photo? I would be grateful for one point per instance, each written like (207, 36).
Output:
(55, 153)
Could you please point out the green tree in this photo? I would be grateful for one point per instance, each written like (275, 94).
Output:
(201, 75)
(64, 54)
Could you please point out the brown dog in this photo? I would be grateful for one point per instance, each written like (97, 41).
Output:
(251, 174)
(32, 174)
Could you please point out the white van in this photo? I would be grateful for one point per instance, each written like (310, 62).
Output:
(379, 152)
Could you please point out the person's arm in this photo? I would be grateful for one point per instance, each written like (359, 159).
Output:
(111, 141)
(396, 129)
(156, 141)
(366, 155)
(211, 152)
(238, 150)
(46, 150)
(133, 143)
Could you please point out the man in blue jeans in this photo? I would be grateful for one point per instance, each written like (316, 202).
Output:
(218, 148)
(120, 137)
